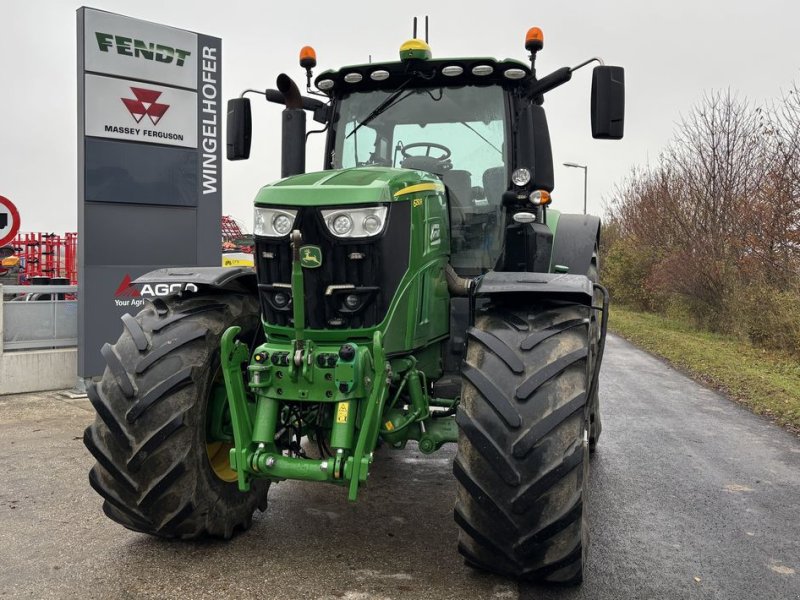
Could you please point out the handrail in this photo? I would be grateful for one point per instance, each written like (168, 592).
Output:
(43, 289)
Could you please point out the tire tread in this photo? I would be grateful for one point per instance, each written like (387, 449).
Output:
(522, 457)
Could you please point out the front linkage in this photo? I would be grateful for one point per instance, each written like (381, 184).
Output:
(355, 379)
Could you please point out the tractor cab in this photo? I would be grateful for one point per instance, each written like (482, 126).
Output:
(477, 124)
(453, 119)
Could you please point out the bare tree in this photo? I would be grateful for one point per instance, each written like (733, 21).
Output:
(719, 213)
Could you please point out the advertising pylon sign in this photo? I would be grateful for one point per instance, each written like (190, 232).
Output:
(149, 164)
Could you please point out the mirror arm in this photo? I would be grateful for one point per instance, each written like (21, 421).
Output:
(557, 78)
(251, 91)
(588, 62)
(276, 97)
(549, 82)
(320, 109)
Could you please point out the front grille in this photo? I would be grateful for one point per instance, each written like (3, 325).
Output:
(374, 267)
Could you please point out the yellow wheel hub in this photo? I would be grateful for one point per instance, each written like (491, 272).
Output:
(218, 456)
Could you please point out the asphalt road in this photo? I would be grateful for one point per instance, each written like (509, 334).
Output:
(691, 497)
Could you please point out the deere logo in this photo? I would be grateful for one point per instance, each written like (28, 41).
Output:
(310, 257)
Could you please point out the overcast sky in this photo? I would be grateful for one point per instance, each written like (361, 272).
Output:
(673, 51)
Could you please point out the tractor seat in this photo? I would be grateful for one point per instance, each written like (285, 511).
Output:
(495, 183)
(459, 191)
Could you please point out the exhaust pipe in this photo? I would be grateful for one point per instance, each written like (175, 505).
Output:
(457, 286)
(293, 133)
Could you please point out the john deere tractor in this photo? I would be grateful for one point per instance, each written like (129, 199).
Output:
(418, 289)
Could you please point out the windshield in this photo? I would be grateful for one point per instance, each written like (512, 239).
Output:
(457, 133)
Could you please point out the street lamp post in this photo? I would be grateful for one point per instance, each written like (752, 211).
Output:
(585, 178)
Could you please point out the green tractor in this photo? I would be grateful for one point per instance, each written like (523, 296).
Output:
(419, 288)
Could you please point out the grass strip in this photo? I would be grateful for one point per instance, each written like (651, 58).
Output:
(767, 382)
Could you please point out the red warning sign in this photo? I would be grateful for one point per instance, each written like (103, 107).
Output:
(9, 221)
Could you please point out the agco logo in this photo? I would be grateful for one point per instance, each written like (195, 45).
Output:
(126, 289)
(128, 295)
(145, 104)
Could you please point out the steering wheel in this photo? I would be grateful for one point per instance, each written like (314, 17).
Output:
(430, 146)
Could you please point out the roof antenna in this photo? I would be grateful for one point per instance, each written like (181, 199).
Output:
(426, 29)
(415, 28)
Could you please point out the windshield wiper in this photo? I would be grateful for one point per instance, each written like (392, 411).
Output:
(471, 128)
(387, 103)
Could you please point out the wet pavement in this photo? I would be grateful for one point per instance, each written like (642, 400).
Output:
(691, 497)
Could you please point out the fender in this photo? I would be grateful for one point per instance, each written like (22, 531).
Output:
(193, 279)
(549, 286)
(574, 240)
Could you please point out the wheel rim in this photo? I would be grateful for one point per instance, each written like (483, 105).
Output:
(219, 458)
(218, 451)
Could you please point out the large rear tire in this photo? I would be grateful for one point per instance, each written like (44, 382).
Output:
(523, 453)
(154, 461)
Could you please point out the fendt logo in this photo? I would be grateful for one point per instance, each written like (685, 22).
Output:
(145, 104)
(141, 49)
(128, 296)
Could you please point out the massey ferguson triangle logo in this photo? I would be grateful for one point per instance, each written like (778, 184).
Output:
(126, 289)
(145, 104)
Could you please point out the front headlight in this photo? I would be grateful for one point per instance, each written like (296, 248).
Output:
(355, 222)
(341, 225)
(273, 222)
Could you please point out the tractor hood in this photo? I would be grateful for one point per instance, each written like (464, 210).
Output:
(362, 185)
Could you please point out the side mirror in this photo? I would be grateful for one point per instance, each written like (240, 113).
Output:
(240, 129)
(608, 103)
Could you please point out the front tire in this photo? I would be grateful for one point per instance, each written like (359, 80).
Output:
(595, 422)
(154, 462)
(523, 453)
